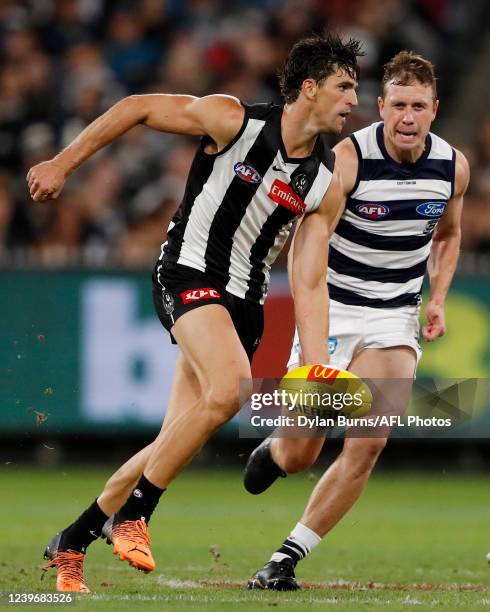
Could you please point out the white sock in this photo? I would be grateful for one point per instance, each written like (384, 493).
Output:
(300, 542)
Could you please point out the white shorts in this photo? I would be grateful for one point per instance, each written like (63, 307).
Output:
(353, 328)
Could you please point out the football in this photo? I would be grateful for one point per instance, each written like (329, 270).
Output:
(322, 390)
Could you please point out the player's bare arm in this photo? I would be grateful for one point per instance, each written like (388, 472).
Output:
(218, 116)
(346, 163)
(308, 271)
(445, 252)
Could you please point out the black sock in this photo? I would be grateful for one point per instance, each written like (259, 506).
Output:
(141, 503)
(84, 530)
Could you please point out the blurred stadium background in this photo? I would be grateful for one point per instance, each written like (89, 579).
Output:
(82, 353)
(85, 365)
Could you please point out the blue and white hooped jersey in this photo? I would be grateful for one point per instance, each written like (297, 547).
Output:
(379, 250)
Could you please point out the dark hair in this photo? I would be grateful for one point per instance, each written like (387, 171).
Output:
(406, 68)
(317, 57)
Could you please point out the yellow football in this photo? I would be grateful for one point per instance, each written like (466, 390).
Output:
(322, 390)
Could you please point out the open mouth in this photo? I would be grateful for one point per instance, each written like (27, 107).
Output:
(406, 134)
(345, 114)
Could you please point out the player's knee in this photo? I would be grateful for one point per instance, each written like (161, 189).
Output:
(363, 453)
(222, 402)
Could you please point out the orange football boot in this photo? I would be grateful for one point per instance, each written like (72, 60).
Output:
(131, 542)
(69, 568)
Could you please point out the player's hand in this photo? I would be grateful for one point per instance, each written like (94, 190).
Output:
(46, 180)
(436, 323)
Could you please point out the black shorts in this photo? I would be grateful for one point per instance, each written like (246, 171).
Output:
(182, 289)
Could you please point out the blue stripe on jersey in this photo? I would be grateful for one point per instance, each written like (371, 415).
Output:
(376, 241)
(350, 267)
(349, 297)
(396, 210)
(381, 169)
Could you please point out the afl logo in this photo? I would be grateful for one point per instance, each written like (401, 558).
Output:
(431, 209)
(372, 211)
(247, 173)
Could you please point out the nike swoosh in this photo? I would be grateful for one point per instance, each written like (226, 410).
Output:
(276, 169)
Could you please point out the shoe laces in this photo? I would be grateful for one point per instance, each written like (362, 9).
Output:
(69, 564)
(136, 531)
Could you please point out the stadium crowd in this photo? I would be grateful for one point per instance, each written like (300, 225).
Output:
(64, 62)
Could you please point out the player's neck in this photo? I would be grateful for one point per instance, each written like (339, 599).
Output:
(404, 156)
(298, 136)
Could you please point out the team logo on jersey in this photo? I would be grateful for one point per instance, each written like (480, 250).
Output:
(282, 194)
(431, 209)
(372, 211)
(300, 183)
(332, 345)
(204, 293)
(247, 173)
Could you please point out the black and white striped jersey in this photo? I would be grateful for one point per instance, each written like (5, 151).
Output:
(239, 204)
(379, 250)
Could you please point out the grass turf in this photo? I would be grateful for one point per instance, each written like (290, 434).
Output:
(412, 540)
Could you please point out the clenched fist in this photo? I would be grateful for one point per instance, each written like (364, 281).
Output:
(436, 324)
(46, 180)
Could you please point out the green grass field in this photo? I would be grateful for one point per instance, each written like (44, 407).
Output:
(411, 541)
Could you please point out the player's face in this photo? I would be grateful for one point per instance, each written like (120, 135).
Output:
(334, 101)
(407, 111)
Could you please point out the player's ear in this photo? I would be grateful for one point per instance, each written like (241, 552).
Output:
(309, 88)
(381, 107)
(435, 108)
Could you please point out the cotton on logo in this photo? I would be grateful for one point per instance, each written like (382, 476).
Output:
(320, 373)
(193, 295)
(282, 194)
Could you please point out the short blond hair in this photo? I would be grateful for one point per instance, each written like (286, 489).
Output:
(407, 67)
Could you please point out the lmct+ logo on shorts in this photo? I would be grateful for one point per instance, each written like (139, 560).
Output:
(193, 295)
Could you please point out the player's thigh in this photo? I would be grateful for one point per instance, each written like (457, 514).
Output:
(389, 374)
(394, 362)
(210, 345)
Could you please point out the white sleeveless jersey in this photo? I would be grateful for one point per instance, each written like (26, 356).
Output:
(379, 250)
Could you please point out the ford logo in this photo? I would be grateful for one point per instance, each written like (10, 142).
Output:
(431, 209)
(372, 211)
(247, 173)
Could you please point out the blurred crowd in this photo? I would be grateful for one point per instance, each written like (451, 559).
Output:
(64, 62)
